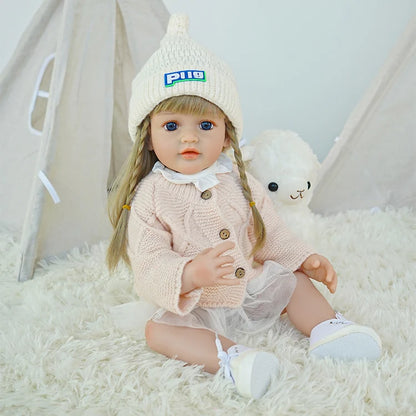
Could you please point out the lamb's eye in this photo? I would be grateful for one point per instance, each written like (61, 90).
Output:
(273, 186)
(309, 185)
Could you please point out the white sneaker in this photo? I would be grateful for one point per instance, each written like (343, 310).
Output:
(250, 370)
(341, 339)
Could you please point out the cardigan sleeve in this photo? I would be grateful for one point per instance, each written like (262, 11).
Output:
(281, 246)
(157, 269)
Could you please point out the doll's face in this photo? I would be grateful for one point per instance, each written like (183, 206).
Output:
(187, 143)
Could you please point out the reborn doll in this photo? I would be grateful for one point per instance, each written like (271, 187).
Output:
(202, 238)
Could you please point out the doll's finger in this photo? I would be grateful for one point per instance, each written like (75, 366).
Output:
(224, 271)
(315, 264)
(328, 278)
(332, 284)
(222, 248)
(311, 264)
(332, 287)
(205, 251)
(222, 260)
(331, 276)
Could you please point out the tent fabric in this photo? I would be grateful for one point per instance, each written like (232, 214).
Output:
(372, 164)
(63, 119)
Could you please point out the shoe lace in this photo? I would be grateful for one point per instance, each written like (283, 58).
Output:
(339, 319)
(224, 359)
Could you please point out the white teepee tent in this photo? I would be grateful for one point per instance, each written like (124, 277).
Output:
(373, 164)
(63, 119)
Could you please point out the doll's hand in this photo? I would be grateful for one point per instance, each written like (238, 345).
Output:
(319, 268)
(208, 268)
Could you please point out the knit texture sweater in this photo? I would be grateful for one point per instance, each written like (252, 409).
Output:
(170, 224)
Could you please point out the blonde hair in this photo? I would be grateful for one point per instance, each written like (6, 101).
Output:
(140, 162)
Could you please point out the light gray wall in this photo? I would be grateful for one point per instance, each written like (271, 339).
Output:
(300, 64)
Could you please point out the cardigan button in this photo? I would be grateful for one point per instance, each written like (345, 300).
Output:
(224, 234)
(240, 273)
(206, 194)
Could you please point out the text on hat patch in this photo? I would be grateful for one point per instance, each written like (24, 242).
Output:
(181, 76)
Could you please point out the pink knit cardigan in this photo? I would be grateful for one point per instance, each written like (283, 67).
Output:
(170, 224)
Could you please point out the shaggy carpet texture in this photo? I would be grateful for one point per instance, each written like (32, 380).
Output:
(61, 354)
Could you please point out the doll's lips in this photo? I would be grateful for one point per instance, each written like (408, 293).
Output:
(190, 154)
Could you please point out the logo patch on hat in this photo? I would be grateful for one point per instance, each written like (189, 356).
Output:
(182, 76)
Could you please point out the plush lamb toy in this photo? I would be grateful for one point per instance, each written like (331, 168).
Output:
(288, 169)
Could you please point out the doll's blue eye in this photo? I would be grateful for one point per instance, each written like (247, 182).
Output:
(171, 126)
(206, 125)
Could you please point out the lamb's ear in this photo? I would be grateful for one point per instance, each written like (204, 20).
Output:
(248, 152)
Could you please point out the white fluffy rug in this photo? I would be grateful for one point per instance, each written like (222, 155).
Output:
(60, 353)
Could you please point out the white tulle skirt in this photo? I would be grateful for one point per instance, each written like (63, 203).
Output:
(266, 297)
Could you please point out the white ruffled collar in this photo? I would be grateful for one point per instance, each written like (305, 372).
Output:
(202, 180)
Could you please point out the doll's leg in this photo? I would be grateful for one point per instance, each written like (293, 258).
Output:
(331, 335)
(307, 307)
(192, 345)
(250, 370)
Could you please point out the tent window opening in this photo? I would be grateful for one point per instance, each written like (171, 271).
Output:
(38, 105)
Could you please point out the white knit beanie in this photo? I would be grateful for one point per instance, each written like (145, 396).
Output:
(182, 67)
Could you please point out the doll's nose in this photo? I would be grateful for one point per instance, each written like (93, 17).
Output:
(189, 136)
